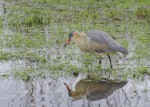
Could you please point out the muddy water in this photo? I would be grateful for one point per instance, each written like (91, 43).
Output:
(51, 92)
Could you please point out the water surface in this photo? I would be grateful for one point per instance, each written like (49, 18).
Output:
(51, 92)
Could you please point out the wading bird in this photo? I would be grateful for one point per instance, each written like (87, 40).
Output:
(95, 41)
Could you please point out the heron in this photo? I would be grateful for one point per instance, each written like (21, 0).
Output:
(97, 42)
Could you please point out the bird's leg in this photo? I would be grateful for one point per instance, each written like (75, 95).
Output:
(100, 60)
(100, 64)
(109, 60)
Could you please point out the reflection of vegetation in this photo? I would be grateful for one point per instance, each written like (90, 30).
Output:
(27, 21)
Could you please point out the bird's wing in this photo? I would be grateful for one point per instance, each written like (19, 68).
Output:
(100, 41)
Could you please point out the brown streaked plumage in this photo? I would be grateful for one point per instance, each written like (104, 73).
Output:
(95, 41)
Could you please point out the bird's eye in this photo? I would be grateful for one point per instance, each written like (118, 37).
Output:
(70, 35)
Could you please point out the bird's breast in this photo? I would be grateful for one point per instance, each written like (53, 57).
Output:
(82, 44)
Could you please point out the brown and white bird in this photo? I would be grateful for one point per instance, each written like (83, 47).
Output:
(95, 41)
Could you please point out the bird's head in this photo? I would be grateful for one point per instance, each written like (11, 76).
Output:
(75, 95)
(71, 36)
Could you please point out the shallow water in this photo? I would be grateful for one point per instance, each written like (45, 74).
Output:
(51, 92)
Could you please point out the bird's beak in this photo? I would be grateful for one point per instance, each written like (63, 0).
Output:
(68, 89)
(67, 42)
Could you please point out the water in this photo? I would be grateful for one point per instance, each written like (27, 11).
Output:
(51, 92)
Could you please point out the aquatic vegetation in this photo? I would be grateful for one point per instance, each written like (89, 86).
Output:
(1, 24)
(24, 75)
(141, 71)
(6, 55)
(143, 13)
(35, 40)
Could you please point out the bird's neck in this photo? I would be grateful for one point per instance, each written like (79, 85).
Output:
(82, 43)
(81, 35)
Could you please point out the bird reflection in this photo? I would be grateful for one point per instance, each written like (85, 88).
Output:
(94, 89)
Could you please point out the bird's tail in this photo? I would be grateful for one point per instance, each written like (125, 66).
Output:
(122, 50)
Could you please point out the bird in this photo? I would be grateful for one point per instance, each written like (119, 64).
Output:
(94, 89)
(97, 42)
